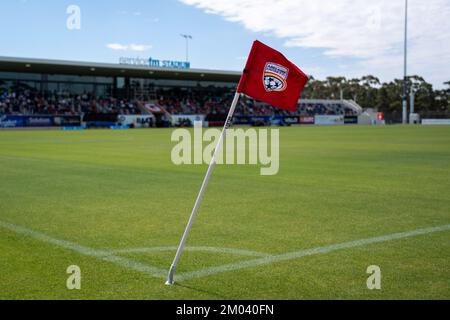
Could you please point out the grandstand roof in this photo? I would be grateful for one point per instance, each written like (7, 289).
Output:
(30, 65)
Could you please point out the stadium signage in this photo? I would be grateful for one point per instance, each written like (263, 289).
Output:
(11, 122)
(436, 122)
(329, 120)
(291, 120)
(351, 120)
(67, 121)
(38, 121)
(307, 120)
(176, 120)
(150, 62)
(136, 121)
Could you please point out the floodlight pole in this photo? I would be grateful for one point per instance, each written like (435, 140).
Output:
(170, 278)
(187, 37)
(405, 78)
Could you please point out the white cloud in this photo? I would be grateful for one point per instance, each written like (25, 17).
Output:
(129, 47)
(117, 46)
(371, 31)
(139, 47)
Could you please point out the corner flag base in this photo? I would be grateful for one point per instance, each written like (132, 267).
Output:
(170, 281)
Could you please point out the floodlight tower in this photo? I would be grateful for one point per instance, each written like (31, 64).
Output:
(405, 95)
(187, 37)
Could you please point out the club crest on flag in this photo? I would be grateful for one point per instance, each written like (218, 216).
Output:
(275, 77)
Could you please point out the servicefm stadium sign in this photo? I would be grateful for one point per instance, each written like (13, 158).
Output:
(155, 63)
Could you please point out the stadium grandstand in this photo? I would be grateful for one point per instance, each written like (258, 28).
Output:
(80, 92)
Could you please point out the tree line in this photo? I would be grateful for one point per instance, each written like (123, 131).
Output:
(369, 92)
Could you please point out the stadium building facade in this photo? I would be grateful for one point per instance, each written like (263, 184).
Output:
(106, 80)
(37, 92)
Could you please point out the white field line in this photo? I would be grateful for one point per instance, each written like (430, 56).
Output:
(161, 273)
(308, 252)
(239, 252)
(86, 251)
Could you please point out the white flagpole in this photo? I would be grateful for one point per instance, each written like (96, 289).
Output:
(170, 280)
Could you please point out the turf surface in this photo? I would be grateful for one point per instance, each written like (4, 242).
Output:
(113, 190)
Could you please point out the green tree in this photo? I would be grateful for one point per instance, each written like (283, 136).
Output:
(369, 92)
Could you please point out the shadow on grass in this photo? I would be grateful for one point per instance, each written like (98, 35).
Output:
(214, 294)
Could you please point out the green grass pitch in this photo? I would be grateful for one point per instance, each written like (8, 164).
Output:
(110, 191)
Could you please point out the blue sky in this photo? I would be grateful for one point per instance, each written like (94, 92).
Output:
(323, 39)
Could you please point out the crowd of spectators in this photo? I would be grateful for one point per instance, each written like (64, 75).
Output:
(34, 103)
(175, 101)
(193, 102)
(196, 102)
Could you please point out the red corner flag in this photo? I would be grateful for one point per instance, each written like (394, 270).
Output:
(268, 77)
(271, 78)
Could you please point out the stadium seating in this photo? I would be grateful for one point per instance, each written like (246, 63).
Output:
(33, 103)
(214, 102)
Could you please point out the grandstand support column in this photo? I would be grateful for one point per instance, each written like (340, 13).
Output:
(405, 78)
(170, 278)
